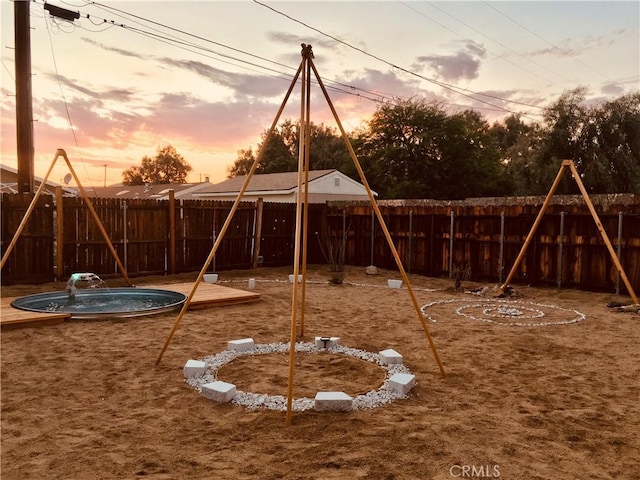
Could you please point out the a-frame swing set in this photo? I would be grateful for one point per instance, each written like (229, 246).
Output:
(605, 238)
(61, 153)
(304, 70)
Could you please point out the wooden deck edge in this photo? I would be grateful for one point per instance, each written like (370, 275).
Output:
(30, 322)
(208, 297)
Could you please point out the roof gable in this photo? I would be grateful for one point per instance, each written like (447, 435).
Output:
(264, 182)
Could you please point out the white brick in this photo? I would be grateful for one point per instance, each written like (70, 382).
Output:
(241, 345)
(402, 383)
(327, 342)
(333, 402)
(219, 391)
(390, 357)
(193, 368)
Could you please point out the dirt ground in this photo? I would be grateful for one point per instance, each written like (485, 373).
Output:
(84, 399)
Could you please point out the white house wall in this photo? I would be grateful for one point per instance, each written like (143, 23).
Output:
(346, 186)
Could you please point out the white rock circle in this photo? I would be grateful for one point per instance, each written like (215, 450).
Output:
(510, 313)
(372, 399)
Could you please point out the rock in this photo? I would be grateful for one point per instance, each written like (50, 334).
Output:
(633, 308)
(371, 270)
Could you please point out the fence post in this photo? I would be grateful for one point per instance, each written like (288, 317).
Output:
(59, 234)
(172, 232)
(560, 248)
(451, 245)
(258, 232)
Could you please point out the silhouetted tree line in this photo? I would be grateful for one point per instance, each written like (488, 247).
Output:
(414, 149)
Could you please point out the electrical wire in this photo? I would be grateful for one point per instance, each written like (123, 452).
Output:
(336, 86)
(66, 105)
(541, 38)
(384, 97)
(506, 47)
(8, 70)
(452, 88)
(189, 46)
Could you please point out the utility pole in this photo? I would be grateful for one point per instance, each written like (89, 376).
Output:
(24, 108)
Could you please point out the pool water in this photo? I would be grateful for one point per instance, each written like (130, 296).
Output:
(103, 302)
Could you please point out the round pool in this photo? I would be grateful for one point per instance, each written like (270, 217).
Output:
(97, 303)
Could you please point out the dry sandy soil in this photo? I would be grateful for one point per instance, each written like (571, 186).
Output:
(84, 400)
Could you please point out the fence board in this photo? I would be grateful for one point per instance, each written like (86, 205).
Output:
(33, 256)
(421, 231)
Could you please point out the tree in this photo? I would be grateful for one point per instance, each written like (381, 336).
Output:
(564, 123)
(518, 144)
(327, 151)
(416, 150)
(399, 147)
(168, 166)
(243, 163)
(610, 147)
(602, 140)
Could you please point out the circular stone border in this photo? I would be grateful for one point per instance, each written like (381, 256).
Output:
(372, 399)
(508, 309)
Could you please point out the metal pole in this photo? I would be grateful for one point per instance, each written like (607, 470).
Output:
(501, 260)
(343, 242)
(213, 263)
(560, 248)
(451, 245)
(410, 235)
(373, 228)
(620, 215)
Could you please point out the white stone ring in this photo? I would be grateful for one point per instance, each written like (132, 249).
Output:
(202, 375)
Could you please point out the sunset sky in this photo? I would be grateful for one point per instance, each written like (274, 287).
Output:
(207, 77)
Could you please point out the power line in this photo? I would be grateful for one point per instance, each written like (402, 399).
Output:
(506, 47)
(237, 50)
(455, 89)
(370, 95)
(8, 71)
(543, 39)
(180, 43)
(64, 99)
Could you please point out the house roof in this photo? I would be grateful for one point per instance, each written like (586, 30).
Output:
(9, 182)
(151, 191)
(265, 182)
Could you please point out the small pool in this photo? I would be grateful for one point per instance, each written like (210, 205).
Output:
(95, 303)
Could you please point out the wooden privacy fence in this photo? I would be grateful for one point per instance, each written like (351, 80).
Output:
(480, 236)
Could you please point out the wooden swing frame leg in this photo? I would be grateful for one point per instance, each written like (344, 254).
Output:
(61, 153)
(605, 238)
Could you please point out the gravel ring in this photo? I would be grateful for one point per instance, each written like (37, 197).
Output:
(252, 401)
(327, 282)
(499, 309)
